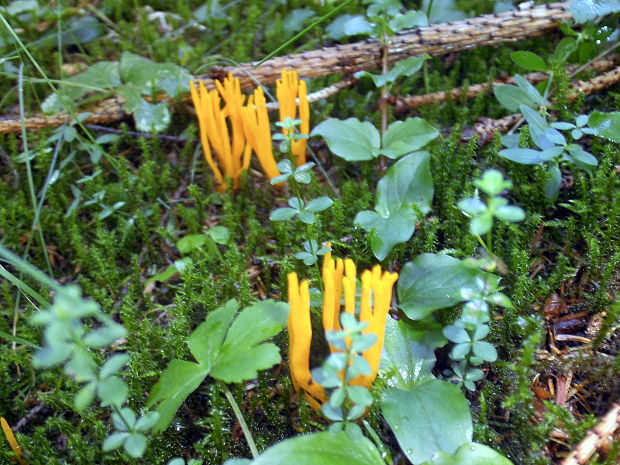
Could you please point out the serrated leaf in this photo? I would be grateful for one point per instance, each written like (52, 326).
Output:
(206, 340)
(350, 139)
(244, 352)
(178, 381)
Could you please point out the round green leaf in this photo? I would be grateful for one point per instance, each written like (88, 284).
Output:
(430, 418)
(350, 139)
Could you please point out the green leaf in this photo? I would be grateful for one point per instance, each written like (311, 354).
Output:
(510, 213)
(296, 20)
(350, 139)
(434, 281)
(191, 242)
(408, 20)
(586, 10)
(219, 234)
(408, 181)
(206, 340)
(529, 61)
(135, 445)
(321, 449)
(552, 186)
(114, 441)
(470, 454)
(103, 75)
(113, 365)
(243, 352)
(407, 67)
(397, 228)
(146, 421)
(178, 381)
(530, 91)
(148, 76)
(408, 351)
(151, 117)
(112, 391)
(606, 125)
(510, 97)
(485, 350)
(283, 214)
(85, 396)
(525, 156)
(481, 224)
(406, 136)
(432, 417)
(319, 204)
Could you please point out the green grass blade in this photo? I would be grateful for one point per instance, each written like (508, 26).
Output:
(306, 30)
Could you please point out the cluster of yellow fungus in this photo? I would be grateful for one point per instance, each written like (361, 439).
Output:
(237, 129)
(339, 277)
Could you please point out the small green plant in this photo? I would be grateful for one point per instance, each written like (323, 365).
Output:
(468, 332)
(297, 177)
(482, 214)
(347, 403)
(69, 342)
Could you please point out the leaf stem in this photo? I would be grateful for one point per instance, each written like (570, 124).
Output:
(241, 420)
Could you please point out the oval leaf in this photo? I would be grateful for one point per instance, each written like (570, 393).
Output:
(431, 417)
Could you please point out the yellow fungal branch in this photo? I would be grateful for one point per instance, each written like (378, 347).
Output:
(339, 277)
(292, 97)
(300, 338)
(8, 432)
(258, 133)
(214, 131)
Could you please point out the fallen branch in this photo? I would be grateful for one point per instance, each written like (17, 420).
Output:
(486, 128)
(414, 101)
(437, 39)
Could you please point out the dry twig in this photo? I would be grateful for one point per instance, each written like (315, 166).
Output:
(597, 439)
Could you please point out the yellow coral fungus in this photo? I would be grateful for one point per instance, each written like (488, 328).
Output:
(339, 277)
(292, 97)
(257, 132)
(214, 132)
(12, 441)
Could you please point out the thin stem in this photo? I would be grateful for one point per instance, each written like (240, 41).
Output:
(241, 420)
(383, 107)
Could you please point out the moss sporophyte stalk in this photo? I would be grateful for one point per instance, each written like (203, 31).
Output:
(339, 277)
(235, 130)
